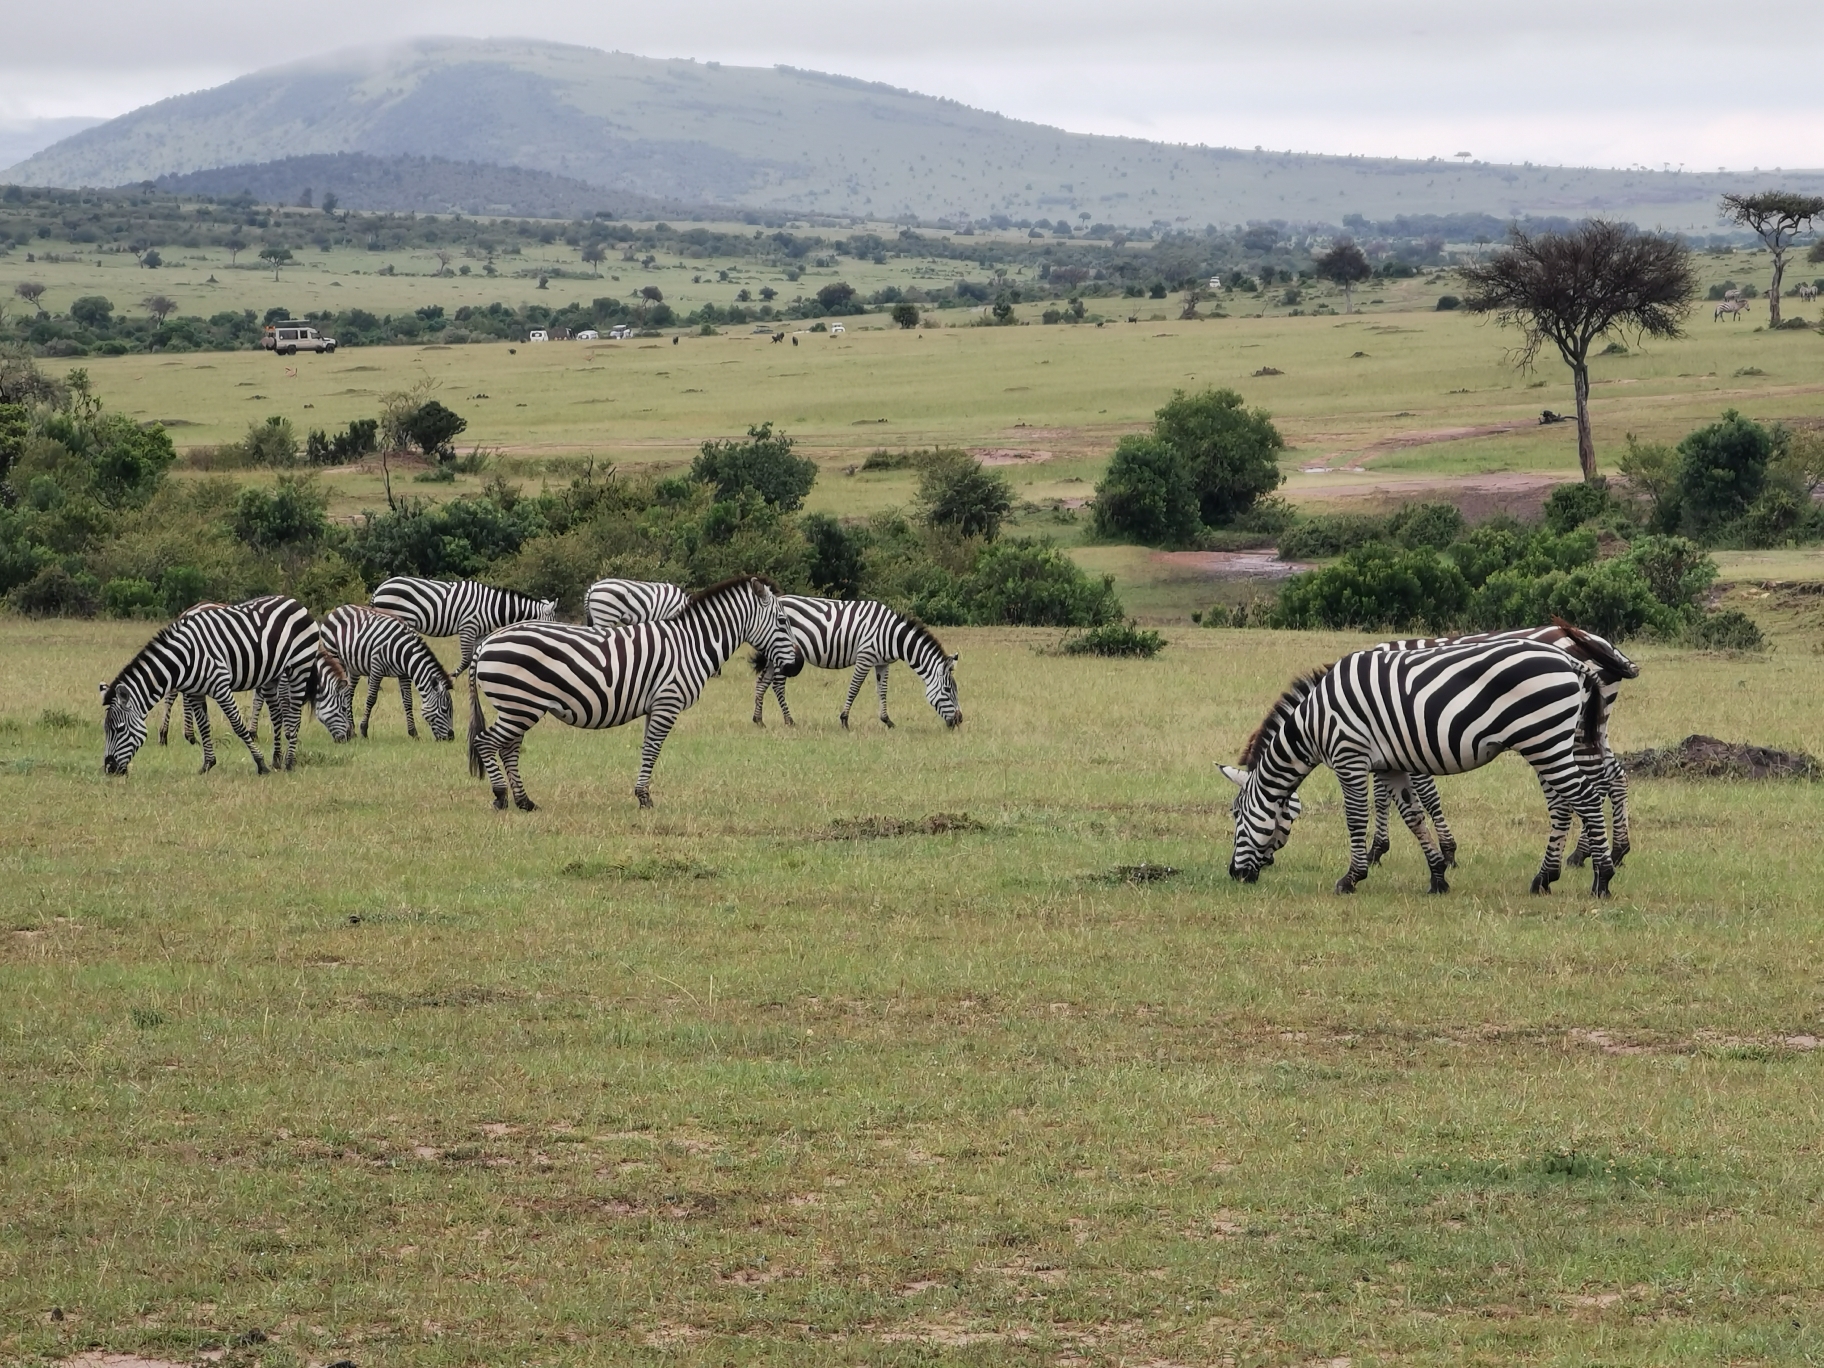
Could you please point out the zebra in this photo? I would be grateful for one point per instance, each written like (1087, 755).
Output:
(1735, 308)
(835, 634)
(618, 602)
(1444, 711)
(1807, 292)
(591, 678)
(1611, 667)
(465, 609)
(270, 648)
(378, 644)
(324, 702)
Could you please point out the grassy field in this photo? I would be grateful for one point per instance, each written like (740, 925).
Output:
(348, 1059)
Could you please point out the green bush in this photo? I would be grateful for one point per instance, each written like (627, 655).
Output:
(1147, 495)
(181, 587)
(271, 443)
(1329, 534)
(1377, 586)
(763, 463)
(1729, 630)
(963, 496)
(1721, 470)
(1027, 583)
(432, 428)
(1677, 571)
(1436, 525)
(837, 556)
(55, 592)
(1232, 452)
(292, 512)
(1570, 506)
(1116, 639)
(129, 598)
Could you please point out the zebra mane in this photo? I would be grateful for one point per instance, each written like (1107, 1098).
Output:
(726, 586)
(1296, 692)
(159, 638)
(922, 633)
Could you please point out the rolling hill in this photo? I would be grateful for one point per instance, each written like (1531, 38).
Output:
(802, 142)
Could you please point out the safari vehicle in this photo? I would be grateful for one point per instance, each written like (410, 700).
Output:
(620, 333)
(288, 339)
(538, 335)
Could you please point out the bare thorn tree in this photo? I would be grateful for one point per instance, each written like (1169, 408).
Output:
(159, 306)
(1569, 289)
(31, 292)
(1776, 217)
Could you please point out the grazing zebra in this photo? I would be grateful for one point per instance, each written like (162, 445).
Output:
(1611, 668)
(322, 700)
(465, 609)
(378, 644)
(591, 678)
(270, 648)
(835, 634)
(1735, 308)
(618, 602)
(1443, 711)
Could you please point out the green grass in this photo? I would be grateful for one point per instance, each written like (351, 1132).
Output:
(346, 1057)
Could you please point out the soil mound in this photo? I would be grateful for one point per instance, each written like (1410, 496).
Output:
(1705, 757)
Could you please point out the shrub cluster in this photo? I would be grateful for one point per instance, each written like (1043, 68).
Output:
(1206, 463)
(1733, 483)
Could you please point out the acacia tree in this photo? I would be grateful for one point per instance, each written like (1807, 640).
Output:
(1776, 217)
(159, 306)
(31, 292)
(1347, 265)
(277, 255)
(236, 244)
(1572, 288)
(593, 255)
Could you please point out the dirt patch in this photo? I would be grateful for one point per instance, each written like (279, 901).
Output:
(1260, 564)
(1136, 874)
(1478, 496)
(1705, 757)
(999, 456)
(1404, 441)
(877, 828)
(94, 1358)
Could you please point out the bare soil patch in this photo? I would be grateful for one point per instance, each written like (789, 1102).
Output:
(998, 456)
(1417, 437)
(1519, 493)
(1705, 757)
(1232, 564)
(95, 1358)
(877, 828)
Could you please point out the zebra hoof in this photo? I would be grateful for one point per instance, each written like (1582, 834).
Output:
(1439, 884)
(1576, 858)
(1541, 884)
(1599, 884)
(1449, 853)
(844, 719)
(887, 722)
(644, 797)
(1620, 854)
(1375, 851)
(525, 804)
(500, 800)
(1346, 884)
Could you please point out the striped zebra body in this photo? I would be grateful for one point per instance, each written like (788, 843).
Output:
(381, 646)
(1611, 668)
(619, 602)
(591, 678)
(1444, 711)
(268, 646)
(465, 609)
(324, 700)
(842, 634)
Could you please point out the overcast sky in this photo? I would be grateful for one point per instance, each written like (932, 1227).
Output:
(1585, 82)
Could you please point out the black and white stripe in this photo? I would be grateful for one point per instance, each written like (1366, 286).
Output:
(840, 634)
(592, 678)
(381, 646)
(329, 705)
(465, 609)
(618, 602)
(1611, 668)
(1444, 711)
(268, 646)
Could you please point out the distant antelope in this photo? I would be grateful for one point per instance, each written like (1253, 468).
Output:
(1733, 307)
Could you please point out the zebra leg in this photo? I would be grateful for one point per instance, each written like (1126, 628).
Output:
(779, 693)
(224, 699)
(855, 683)
(1589, 808)
(1619, 840)
(196, 728)
(658, 726)
(1380, 845)
(1560, 811)
(1352, 775)
(1425, 789)
(291, 698)
(880, 683)
(253, 727)
(467, 636)
(1413, 811)
(510, 759)
(373, 697)
(760, 698)
(484, 749)
(164, 728)
(405, 698)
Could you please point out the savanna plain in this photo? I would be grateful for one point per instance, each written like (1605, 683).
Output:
(913, 1046)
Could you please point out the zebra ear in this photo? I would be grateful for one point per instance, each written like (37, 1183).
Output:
(1235, 776)
(958, 656)
(104, 692)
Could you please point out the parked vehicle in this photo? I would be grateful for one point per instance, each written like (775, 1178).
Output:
(588, 335)
(620, 333)
(288, 339)
(538, 335)
(838, 330)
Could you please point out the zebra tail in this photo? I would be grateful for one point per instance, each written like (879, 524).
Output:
(758, 661)
(1590, 723)
(1605, 659)
(476, 723)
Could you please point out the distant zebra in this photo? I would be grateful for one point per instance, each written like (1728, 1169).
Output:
(465, 609)
(617, 602)
(378, 644)
(1735, 308)
(213, 652)
(837, 634)
(1611, 668)
(1443, 711)
(596, 679)
(1807, 292)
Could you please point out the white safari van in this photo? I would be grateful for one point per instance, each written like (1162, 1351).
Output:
(288, 339)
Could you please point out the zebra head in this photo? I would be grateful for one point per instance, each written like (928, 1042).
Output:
(770, 633)
(940, 688)
(123, 726)
(1286, 815)
(545, 610)
(438, 713)
(332, 696)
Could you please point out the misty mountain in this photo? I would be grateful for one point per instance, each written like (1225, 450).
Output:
(20, 140)
(782, 139)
